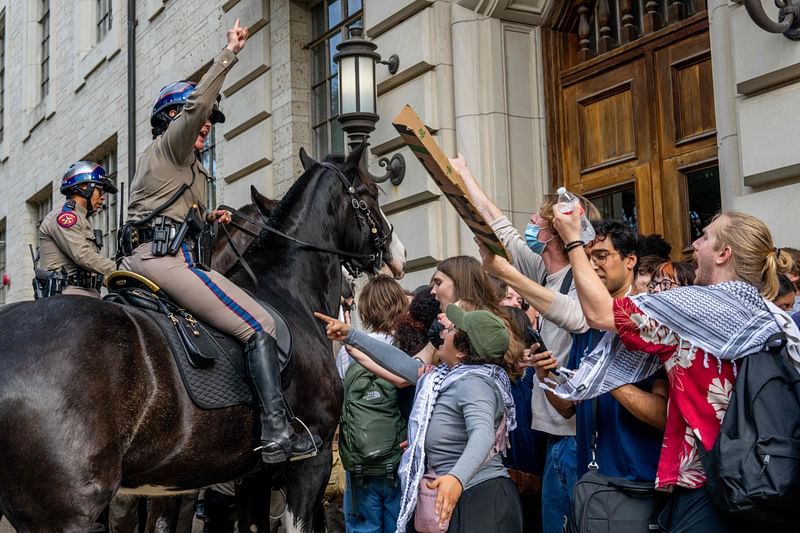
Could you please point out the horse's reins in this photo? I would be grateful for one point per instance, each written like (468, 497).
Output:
(363, 212)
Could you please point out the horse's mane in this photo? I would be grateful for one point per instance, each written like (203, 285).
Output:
(292, 195)
(300, 184)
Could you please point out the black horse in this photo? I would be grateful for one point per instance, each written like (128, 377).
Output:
(91, 402)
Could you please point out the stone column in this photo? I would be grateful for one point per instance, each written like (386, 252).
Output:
(730, 168)
(499, 108)
(291, 99)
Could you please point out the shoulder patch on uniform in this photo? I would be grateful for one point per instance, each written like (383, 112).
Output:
(67, 219)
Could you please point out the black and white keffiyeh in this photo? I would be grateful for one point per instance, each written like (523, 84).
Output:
(727, 321)
(412, 465)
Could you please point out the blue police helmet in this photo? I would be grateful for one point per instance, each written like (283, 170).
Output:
(173, 97)
(85, 172)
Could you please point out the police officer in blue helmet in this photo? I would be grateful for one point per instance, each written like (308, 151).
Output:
(169, 194)
(69, 249)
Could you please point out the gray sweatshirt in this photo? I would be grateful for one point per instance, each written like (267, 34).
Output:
(465, 417)
(564, 317)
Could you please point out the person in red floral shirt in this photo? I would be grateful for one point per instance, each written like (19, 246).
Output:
(697, 333)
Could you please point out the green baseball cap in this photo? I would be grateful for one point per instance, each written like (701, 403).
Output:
(487, 333)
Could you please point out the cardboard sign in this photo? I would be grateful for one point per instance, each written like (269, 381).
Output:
(421, 142)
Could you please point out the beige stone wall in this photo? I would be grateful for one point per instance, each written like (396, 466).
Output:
(757, 88)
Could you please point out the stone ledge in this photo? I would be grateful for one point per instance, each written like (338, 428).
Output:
(249, 169)
(246, 125)
(399, 16)
(247, 78)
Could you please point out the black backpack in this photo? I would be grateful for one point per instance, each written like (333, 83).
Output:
(753, 470)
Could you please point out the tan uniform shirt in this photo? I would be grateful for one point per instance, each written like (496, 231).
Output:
(66, 239)
(170, 159)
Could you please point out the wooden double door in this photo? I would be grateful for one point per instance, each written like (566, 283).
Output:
(633, 128)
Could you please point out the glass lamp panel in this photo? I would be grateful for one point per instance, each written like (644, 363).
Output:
(347, 85)
(366, 82)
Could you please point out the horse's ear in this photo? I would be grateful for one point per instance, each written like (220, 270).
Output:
(306, 160)
(353, 160)
(264, 204)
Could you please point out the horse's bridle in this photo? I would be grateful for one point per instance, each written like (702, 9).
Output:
(363, 212)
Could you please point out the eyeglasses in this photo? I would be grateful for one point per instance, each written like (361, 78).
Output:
(663, 285)
(601, 256)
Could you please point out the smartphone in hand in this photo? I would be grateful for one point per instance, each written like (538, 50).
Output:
(535, 338)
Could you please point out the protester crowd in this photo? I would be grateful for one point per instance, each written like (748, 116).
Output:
(572, 362)
(495, 397)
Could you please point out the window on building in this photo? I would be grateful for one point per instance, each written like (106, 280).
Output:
(2, 74)
(330, 21)
(702, 187)
(107, 220)
(103, 18)
(617, 204)
(39, 205)
(2, 259)
(44, 71)
(209, 159)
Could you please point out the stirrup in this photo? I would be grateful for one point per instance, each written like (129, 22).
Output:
(288, 456)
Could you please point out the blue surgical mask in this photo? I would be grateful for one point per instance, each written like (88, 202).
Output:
(532, 238)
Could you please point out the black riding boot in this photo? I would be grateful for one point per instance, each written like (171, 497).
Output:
(279, 442)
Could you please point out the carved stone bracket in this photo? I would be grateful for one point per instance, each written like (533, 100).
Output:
(788, 17)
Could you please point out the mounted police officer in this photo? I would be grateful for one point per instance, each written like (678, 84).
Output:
(71, 261)
(168, 240)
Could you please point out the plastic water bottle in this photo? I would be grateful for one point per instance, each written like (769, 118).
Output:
(566, 203)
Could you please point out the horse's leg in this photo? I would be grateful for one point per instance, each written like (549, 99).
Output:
(219, 510)
(305, 486)
(123, 514)
(253, 502)
(162, 514)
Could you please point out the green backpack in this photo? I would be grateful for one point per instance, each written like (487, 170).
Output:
(372, 427)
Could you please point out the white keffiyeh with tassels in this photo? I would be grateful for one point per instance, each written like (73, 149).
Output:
(727, 321)
(412, 465)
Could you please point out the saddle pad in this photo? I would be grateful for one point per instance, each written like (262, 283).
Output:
(223, 384)
(225, 381)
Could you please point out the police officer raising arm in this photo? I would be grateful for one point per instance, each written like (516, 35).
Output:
(168, 240)
(70, 256)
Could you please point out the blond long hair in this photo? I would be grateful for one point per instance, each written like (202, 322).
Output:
(754, 256)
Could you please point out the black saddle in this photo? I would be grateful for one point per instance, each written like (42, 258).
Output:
(211, 363)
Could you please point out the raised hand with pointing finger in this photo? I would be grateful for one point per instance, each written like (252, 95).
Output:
(237, 37)
(336, 330)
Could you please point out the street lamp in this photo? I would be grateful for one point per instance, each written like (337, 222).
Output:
(358, 99)
(788, 17)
